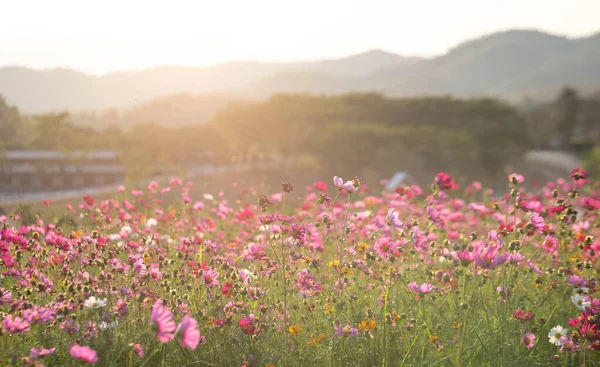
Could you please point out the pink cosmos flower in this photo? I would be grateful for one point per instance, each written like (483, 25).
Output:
(162, 321)
(188, 333)
(348, 185)
(83, 353)
(393, 218)
(537, 221)
(422, 289)
(516, 178)
(15, 325)
(528, 339)
(210, 278)
(138, 350)
(40, 352)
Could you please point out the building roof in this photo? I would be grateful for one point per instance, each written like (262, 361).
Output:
(69, 168)
(56, 155)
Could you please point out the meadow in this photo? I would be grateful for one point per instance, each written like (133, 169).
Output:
(337, 273)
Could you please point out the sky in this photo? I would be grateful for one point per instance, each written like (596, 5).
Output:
(98, 37)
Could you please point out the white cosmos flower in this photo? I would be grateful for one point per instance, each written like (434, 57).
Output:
(105, 325)
(94, 302)
(126, 229)
(114, 237)
(151, 222)
(581, 301)
(208, 197)
(556, 333)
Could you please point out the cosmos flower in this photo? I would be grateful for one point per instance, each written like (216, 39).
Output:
(422, 289)
(83, 353)
(443, 181)
(341, 185)
(15, 325)
(162, 322)
(187, 333)
(581, 301)
(555, 335)
(210, 278)
(94, 302)
(528, 339)
(393, 218)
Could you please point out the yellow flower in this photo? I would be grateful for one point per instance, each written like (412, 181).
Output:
(346, 270)
(269, 365)
(362, 247)
(295, 329)
(367, 325)
(456, 325)
(316, 339)
(329, 309)
(432, 339)
(333, 264)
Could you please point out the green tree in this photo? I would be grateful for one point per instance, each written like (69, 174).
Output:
(10, 121)
(568, 107)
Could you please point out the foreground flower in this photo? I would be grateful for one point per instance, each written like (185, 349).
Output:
(94, 302)
(556, 333)
(581, 301)
(295, 329)
(15, 325)
(83, 353)
(162, 322)
(188, 333)
(210, 278)
(523, 316)
(137, 350)
(443, 181)
(422, 289)
(393, 218)
(367, 325)
(341, 185)
(578, 174)
(344, 331)
(528, 339)
(40, 352)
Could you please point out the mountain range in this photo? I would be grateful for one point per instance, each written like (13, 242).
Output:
(511, 64)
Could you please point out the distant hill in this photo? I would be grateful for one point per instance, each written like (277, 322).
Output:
(511, 64)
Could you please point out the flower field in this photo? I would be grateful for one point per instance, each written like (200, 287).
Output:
(337, 273)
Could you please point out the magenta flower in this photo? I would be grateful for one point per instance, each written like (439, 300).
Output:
(344, 331)
(578, 174)
(528, 339)
(247, 325)
(83, 353)
(162, 322)
(422, 289)
(15, 325)
(523, 316)
(188, 333)
(443, 181)
(393, 218)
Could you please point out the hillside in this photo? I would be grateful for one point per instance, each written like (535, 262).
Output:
(511, 64)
